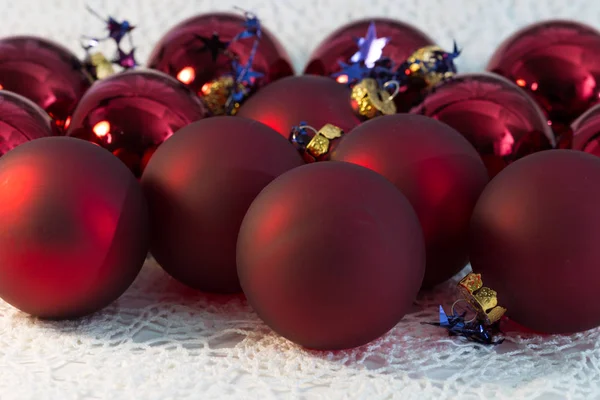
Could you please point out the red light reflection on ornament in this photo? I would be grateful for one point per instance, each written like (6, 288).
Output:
(534, 86)
(1, 87)
(67, 122)
(342, 79)
(521, 82)
(187, 75)
(206, 88)
(102, 131)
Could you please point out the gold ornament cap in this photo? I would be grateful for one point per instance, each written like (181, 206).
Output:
(216, 95)
(321, 144)
(422, 64)
(101, 66)
(482, 299)
(369, 100)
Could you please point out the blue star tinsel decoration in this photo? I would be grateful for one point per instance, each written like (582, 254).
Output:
(125, 60)
(116, 30)
(370, 47)
(474, 331)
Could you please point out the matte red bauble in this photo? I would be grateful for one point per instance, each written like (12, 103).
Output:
(557, 63)
(495, 115)
(199, 185)
(21, 121)
(439, 172)
(187, 53)
(44, 72)
(74, 228)
(331, 255)
(534, 239)
(315, 100)
(131, 113)
(586, 131)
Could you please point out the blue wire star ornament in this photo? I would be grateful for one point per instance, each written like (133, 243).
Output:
(125, 60)
(370, 47)
(117, 30)
(351, 73)
(252, 26)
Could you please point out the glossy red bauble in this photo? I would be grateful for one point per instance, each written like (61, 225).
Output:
(183, 54)
(586, 131)
(439, 172)
(495, 115)
(74, 228)
(331, 255)
(534, 239)
(315, 100)
(21, 121)
(131, 113)
(199, 185)
(557, 63)
(44, 72)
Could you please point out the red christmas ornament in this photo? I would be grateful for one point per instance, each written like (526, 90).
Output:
(586, 131)
(199, 185)
(193, 51)
(497, 117)
(439, 172)
(312, 99)
(557, 63)
(44, 72)
(132, 113)
(21, 121)
(74, 228)
(331, 255)
(534, 239)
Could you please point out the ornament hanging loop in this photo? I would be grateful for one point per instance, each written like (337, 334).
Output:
(453, 310)
(396, 85)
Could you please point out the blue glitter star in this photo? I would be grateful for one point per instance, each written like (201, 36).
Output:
(354, 72)
(474, 331)
(126, 60)
(244, 74)
(116, 30)
(252, 26)
(370, 47)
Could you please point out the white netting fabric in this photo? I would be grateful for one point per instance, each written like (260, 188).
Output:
(162, 341)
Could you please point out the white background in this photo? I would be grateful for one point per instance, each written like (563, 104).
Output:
(161, 341)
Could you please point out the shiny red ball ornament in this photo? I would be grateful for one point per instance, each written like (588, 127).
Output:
(131, 113)
(534, 239)
(199, 185)
(192, 51)
(494, 114)
(74, 228)
(331, 255)
(44, 72)
(557, 63)
(315, 100)
(439, 172)
(21, 121)
(586, 131)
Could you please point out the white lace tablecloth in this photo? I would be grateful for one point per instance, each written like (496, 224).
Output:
(163, 341)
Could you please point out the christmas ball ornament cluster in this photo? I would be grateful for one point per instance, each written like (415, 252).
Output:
(201, 159)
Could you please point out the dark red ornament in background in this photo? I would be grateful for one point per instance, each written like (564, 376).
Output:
(586, 131)
(132, 113)
(558, 64)
(494, 114)
(74, 228)
(21, 121)
(192, 51)
(404, 39)
(439, 172)
(331, 255)
(44, 72)
(199, 185)
(534, 239)
(315, 100)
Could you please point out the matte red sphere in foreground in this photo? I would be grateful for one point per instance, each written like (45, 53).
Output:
(557, 63)
(45, 72)
(331, 255)
(131, 113)
(494, 114)
(183, 53)
(534, 239)
(21, 121)
(315, 100)
(199, 185)
(586, 131)
(439, 172)
(74, 228)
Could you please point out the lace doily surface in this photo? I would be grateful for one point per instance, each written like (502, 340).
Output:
(163, 341)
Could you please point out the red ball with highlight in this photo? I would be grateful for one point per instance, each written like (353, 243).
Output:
(199, 185)
(313, 99)
(439, 172)
(182, 51)
(131, 113)
(45, 72)
(331, 255)
(74, 228)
